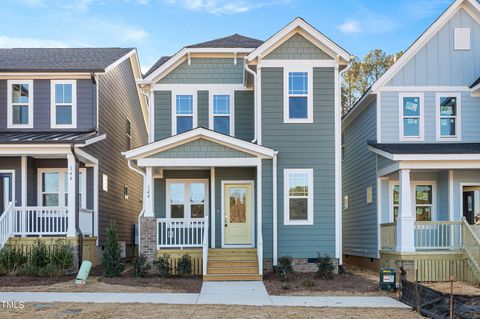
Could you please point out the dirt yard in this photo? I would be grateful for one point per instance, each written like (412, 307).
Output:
(118, 311)
(459, 287)
(357, 281)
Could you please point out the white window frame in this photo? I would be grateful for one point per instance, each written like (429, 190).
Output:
(128, 133)
(61, 189)
(413, 185)
(10, 123)
(187, 204)
(174, 109)
(53, 104)
(458, 117)
(286, 196)
(286, 95)
(462, 39)
(230, 93)
(421, 118)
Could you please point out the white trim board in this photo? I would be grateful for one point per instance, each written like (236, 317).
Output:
(287, 95)
(413, 184)
(194, 114)
(310, 198)
(200, 87)
(198, 162)
(186, 197)
(61, 191)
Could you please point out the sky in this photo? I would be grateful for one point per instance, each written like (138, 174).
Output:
(162, 27)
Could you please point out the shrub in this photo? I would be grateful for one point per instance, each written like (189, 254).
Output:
(12, 259)
(50, 270)
(326, 267)
(29, 270)
(184, 266)
(141, 267)
(163, 266)
(284, 268)
(61, 256)
(112, 261)
(39, 256)
(308, 283)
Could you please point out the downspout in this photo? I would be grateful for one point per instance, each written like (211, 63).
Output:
(274, 208)
(254, 74)
(77, 206)
(139, 171)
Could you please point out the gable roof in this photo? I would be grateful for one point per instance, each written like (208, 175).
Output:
(474, 84)
(424, 38)
(315, 36)
(157, 64)
(233, 41)
(60, 59)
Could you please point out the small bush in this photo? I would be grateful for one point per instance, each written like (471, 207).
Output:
(141, 267)
(308, 283)
(184, 266)
(50, 270)
(61, 256)
(29, 270)
(12, 260)
(326, 267)
(284, 268)
(112, 261)
(163, 266)
(39, 256)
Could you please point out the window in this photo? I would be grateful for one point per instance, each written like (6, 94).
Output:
(53, 187)
(422, 200)
(186, 198)
(411, 119)
(221, 114)
(298, 96)
(369, 194)
(298, 196)
(184, 115)
(462, 38)
(345, 202)
(20, 104)
(448, 116)
(63, 104)
(125, 191)
(129, 135)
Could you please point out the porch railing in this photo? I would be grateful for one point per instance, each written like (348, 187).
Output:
(205, 248)
(6, 223)
(181, 233)
(471, 245)
(40, 221)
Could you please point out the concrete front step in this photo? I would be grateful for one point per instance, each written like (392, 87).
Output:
(232, 270)
(232, 277)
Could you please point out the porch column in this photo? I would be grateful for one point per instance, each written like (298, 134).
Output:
(149, 192)
(72, 195)
(405, 219)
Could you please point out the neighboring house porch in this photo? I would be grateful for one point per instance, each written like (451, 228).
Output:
(428, 208)
(203, 191)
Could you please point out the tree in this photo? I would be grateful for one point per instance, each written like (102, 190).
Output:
(362, 74)
(112, 260)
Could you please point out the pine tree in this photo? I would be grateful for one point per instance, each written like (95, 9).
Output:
(112, 261)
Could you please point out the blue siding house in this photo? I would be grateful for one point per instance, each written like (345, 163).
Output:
(412, 154)
(243, 161)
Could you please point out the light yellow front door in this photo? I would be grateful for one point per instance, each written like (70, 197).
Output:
(238, 211)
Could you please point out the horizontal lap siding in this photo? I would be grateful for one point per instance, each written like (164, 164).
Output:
(303, 146)
(359, 172)
(163, 114)
(244, 115)
(298, 48)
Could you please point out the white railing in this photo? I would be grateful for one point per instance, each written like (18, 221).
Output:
(260, 249)
(86, 221)
(40, 221)
(205, 248)
(6, 225)
(438, 235)
(180, 233)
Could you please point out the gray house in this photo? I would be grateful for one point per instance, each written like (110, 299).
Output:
(412, 156)
(243, 161)
(65, 117)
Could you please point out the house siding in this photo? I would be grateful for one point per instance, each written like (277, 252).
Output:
(294, 143)
(14, 163)
(202, 104)
(359, 172)
(298, 48)
(201, 148)
(163, 114)
(244, 115)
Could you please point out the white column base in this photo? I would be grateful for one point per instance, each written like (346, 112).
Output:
(406, 234)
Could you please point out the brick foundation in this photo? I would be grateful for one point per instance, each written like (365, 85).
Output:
(148, 238)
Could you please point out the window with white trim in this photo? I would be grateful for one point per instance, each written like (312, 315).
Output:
(411, 116)
(448, 116)
(128, 133)
(462, 39)
(20, 104)
(63, 104)
(298, 196)
(187, 199)
(53, 187)
(184, 115)
(298, 102)
(423, 201)
(222, 114)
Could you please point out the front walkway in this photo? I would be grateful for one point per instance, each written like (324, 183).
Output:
(249, 293)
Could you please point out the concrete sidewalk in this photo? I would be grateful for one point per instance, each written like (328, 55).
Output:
(219, 293)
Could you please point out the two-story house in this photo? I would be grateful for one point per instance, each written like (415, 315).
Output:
(243, 164)
(65, 117)
(412, 156)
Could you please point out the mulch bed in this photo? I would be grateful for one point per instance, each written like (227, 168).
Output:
(173, 284)
(297, 284)
(26, 281)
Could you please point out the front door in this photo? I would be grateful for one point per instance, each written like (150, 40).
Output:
(5, 191)
(469, 206)
(238, 214)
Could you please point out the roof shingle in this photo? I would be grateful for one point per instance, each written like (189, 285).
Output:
(233, 41)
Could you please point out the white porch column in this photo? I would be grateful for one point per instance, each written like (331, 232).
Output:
(24, 181)
(72, 195)
(405, 219)
(212, 207)
(149, 192)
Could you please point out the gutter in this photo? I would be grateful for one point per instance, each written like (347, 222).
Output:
(140, 172)
(255, 93)
(77, 206)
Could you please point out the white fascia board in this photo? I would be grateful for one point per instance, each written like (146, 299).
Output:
(199, 87)
(299, 63)
(195, 134)
(120, 60)
(475, 90)
(199, 162)
(440, 164)
(46, 75)
(29, 149)
(93, 140)
(299, 23)
(426, 157)
(422, 41)
(382, 153)
(419, 88)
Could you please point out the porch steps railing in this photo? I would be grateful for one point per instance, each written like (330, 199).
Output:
(6, 225)
(471, 246)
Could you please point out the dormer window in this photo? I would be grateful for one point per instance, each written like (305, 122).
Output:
(20, 104)
(298, 102)
(63, 104)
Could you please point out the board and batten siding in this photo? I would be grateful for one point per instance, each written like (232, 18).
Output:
(86, 106)
(358, 173)
(303, 146)
(297, 48)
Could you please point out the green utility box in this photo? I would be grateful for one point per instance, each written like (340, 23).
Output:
(388, 279)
